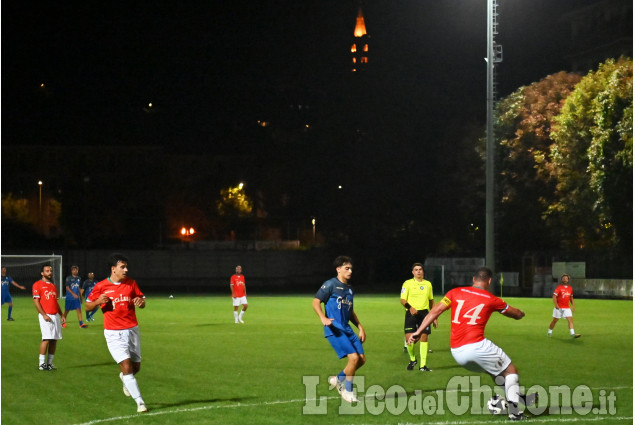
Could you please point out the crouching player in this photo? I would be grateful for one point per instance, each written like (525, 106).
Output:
(471, 309)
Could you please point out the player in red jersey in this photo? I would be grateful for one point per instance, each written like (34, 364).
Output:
(50, 315)
(118, 297)
(471, 309)
(562, 296)
(239, 294)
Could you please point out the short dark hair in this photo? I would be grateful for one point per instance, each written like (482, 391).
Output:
(116, 257)
(483, 274)
(341, 260)
(44, 265)
(417, 264)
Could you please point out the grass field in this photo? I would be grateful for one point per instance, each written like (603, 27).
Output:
(201, 368)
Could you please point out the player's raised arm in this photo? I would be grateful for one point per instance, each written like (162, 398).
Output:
(514, 313)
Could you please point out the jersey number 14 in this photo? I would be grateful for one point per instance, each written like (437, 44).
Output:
(472, 314)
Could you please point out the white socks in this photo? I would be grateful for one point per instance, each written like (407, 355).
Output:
(133, 388)
(240, 316)
(512, 388)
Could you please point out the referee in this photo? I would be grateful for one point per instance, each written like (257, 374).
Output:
(417, 299)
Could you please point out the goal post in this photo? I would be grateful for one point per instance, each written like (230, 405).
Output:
(26, 269)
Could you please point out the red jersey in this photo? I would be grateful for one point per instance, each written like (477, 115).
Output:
(471, 309)
(563, 295)
(237, 283)
(119, 313)
(47, 293)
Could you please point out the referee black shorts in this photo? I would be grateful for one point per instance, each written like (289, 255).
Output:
(413, 322)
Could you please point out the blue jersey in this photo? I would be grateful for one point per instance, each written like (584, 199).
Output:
(6, 281)
(88, 286)
(74, 283)
(338, 304)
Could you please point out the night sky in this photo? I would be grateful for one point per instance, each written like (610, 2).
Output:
(210, 67)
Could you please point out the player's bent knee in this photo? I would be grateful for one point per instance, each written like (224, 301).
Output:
(361, 361)
(511, 369)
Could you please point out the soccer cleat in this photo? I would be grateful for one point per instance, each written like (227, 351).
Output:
(241, 320)
(349, 397)
(83, 325)
(43, 366)
(425, 369)
(50, 366)
(518, 417)
(141, 408)
(336, 383)
(125, 390)
(11, 319)
(576, 336)
(514, 413)
(64, 324)
(411, 365)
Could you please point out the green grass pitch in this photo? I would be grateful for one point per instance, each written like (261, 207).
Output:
(200, 368)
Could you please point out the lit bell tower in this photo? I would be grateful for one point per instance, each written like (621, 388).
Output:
(359, 48)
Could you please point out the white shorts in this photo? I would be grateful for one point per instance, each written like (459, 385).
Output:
(560, 313)
(239, 300)
(482, 356)
(124, 344)
(52, 329)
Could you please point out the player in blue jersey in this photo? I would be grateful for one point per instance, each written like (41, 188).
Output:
(337, 296)
(86, 289)
(6, 296)
(73, 296)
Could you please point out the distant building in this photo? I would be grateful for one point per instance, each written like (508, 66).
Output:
(605, 28)
(359, 47)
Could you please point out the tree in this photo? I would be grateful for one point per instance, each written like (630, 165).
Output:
(524, 126)
(592, 161)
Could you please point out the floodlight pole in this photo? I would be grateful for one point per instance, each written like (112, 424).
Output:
(490, 260)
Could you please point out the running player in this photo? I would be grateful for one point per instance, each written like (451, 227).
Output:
(337, 296)
(50, 316)
(471, 310)
(239, 294)
(6, 295)
(118, 296)
(417, 299)
(562, 296)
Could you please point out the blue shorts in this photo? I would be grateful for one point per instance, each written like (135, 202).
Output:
(72, 304)
(6, 298)
(344, 343)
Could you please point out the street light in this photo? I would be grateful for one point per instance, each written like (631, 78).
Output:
(187, 232)
(313, 222)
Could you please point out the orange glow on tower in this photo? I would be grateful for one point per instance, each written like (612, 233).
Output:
(359, 47)
(360, 26)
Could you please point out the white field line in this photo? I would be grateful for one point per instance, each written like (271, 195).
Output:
(300, 400)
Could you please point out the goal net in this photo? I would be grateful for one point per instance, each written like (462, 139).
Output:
(25, 270)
